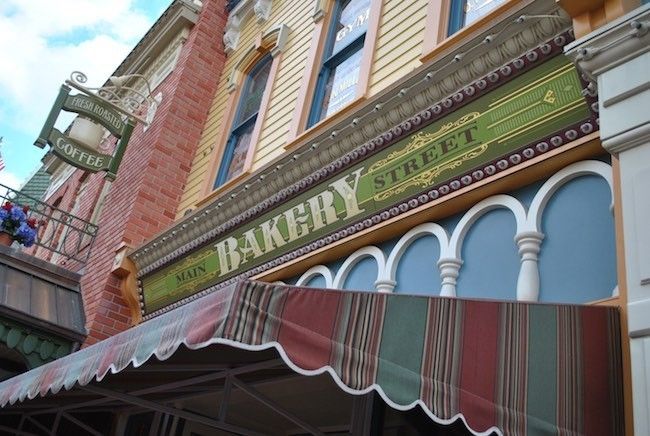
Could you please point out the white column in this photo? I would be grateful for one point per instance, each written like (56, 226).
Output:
(386, 286)
(449, 268)
(528, 280)
(618, 57)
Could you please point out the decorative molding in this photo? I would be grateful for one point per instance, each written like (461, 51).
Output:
(272, 41)
(320, 10)
(614, 44)
(449, 262)
(231, 35)
(356, 257)
(318, 270)
(559, 179)
(178, 16)
(477, 211)
(151, 111)
(35, 347)
(449, 271)
(529, 244)
(261, 9)
(313, 161)
(318, 158)
(411, 236)
(164, 64)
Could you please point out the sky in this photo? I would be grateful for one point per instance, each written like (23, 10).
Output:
(42, 42)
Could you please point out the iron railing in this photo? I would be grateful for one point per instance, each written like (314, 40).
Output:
(61, 236)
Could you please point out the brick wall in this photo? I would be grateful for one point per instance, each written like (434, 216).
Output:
(143, 199)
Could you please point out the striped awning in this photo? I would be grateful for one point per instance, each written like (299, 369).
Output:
(509, 367)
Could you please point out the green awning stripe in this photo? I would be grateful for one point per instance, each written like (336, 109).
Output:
(542, 367)
(400, 352)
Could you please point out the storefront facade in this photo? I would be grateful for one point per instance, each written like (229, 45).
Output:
(427, 149)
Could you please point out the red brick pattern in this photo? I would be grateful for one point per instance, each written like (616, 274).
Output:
(143, 200)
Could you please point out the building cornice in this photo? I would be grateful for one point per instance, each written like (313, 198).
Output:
(613, 44)
(179, 15)
(602, 51)
(433, 90)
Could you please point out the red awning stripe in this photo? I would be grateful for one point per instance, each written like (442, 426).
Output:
(487, 363)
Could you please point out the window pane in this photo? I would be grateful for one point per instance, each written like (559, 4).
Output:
(252, 93)
(341, 86)
(242, 142)
(475, 9)
(353, 21)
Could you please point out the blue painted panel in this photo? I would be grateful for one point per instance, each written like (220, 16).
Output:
(316, 282)
(491, 262)
(526, 194)
(417, 271)
(363, 275)
(578, 258)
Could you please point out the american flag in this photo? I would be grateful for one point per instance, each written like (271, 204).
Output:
(2, 161)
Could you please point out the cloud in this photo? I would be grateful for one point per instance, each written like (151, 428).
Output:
(43, 41)
(9, 179)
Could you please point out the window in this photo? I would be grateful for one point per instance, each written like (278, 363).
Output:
(239, 140)
(465, 12)
(339, 75)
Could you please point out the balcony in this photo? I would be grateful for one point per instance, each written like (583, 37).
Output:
(41, 308)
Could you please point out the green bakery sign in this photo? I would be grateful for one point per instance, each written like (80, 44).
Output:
(531, 106)
(95, 115)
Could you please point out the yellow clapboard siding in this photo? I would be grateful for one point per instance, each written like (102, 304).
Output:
(297, 14)
(407, 62)
(399, 42)
(398, 11)
(397, 52)
(394, 76)
(398, 48)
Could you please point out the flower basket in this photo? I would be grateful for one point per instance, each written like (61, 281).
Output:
(15, 225)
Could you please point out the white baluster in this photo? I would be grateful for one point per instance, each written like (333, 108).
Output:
(386, 286)
(528, 281)
(449, 268)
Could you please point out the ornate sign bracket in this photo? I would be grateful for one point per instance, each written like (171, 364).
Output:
(114, 107)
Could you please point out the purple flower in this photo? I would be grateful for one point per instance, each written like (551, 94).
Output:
(25, 235)
(17, 214)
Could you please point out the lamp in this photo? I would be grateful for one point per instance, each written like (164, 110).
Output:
(86, 132)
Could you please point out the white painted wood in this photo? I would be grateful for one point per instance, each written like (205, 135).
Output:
(559, 179)
(617, 57)
(480, 209)
(318, 270)
(449, 270)
(528, 280)
(356, 257)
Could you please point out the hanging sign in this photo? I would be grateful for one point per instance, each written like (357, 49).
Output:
(79, 155)
(532, 106)
(93, 109)
(76, 154)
